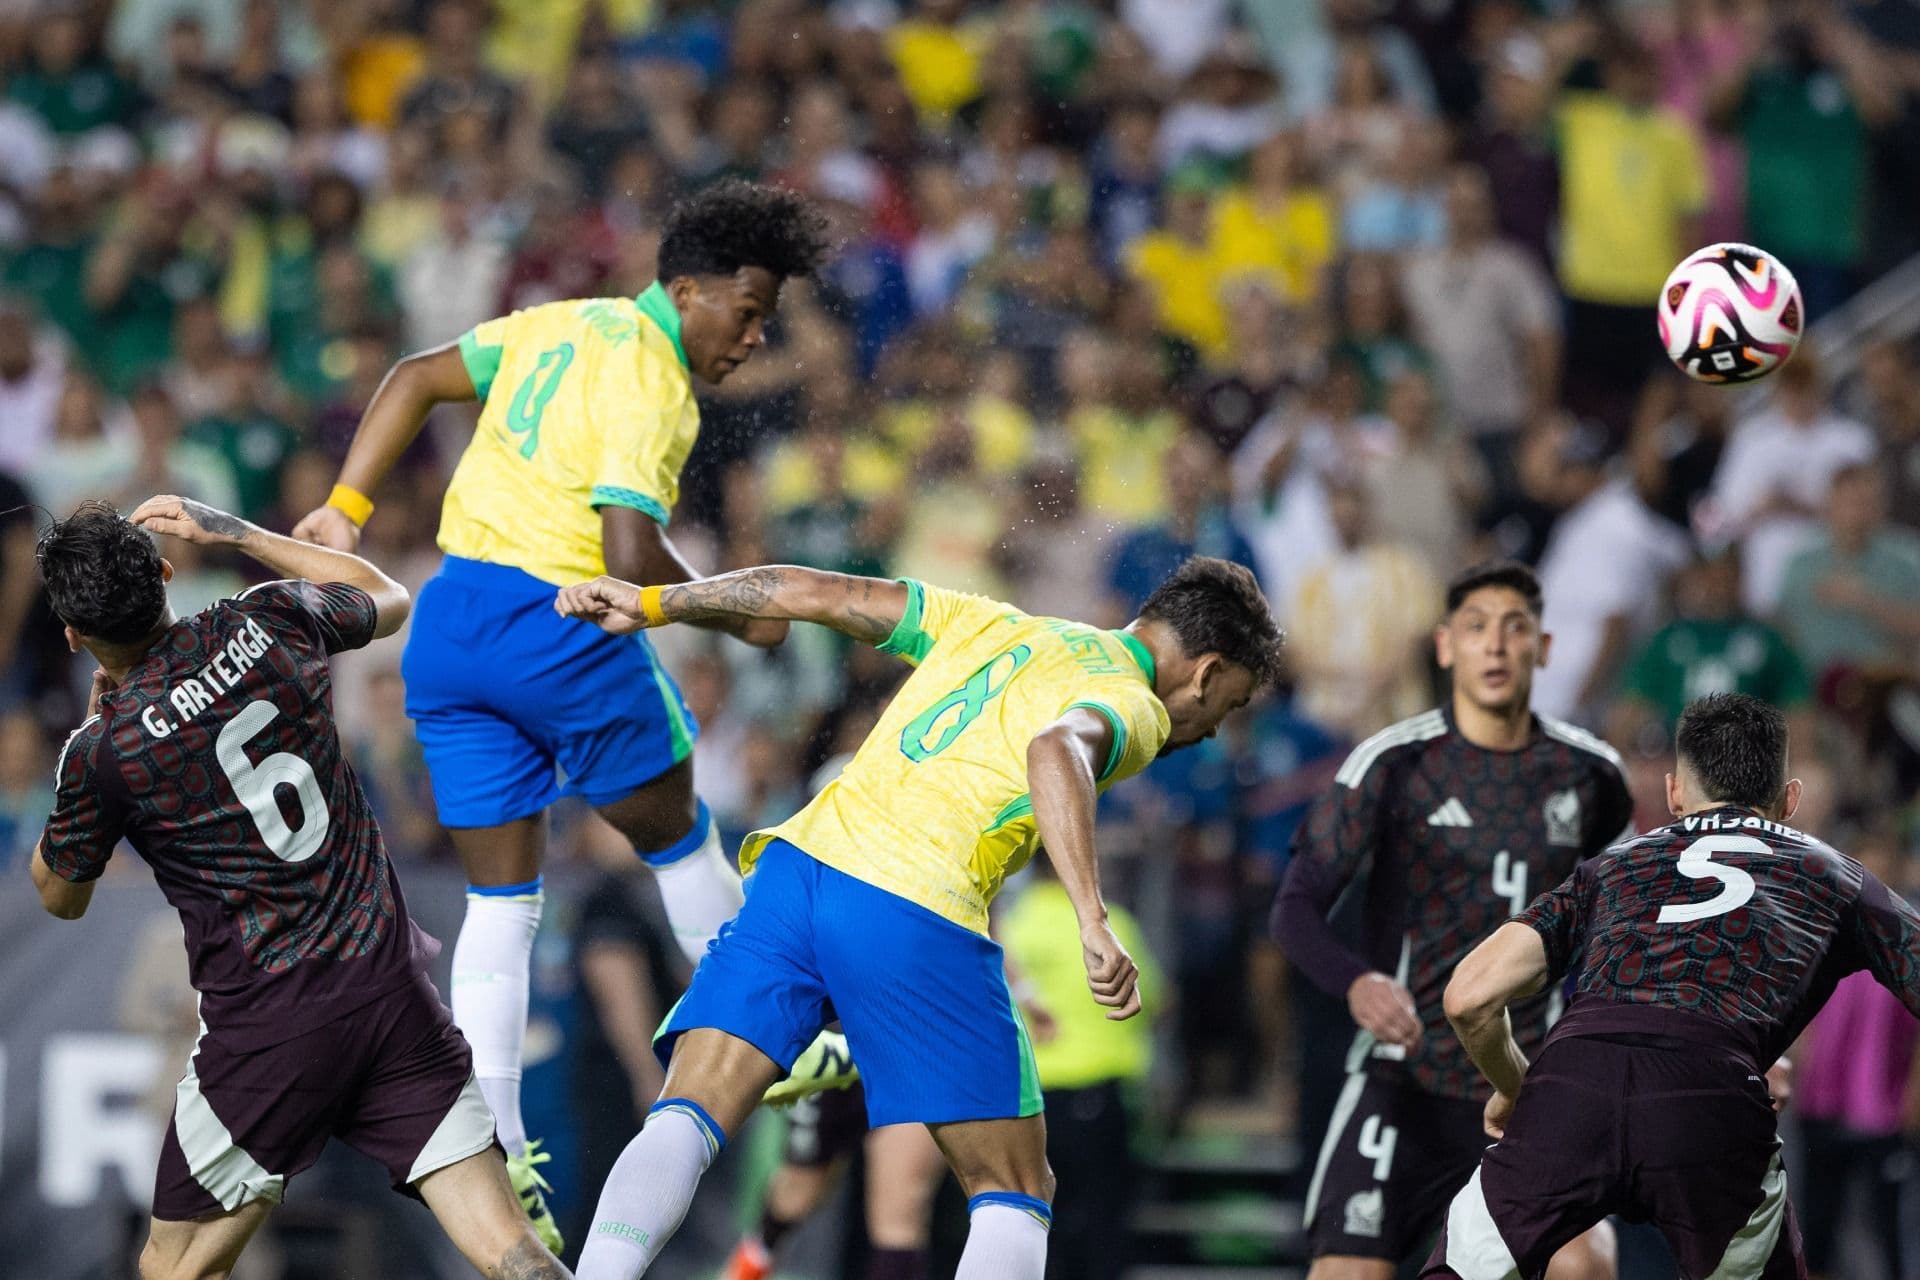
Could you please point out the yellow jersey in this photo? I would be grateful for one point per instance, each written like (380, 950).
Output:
(934, 805)
(588, 404)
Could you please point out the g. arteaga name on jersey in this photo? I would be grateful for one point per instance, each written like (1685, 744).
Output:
(1745, 822)
(222, 672)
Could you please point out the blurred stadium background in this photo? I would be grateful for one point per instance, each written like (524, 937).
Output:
(1354, 291)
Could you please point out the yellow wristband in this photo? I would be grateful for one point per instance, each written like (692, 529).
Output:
(352, 503)
(650, 607)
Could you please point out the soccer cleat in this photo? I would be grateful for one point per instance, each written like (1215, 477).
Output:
(532, 1190)
(750, 1261)
(825, 1065)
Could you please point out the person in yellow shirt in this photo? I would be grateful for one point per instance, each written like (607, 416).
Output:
(1275, 229)
(1179, 263)
(574, 468)
(1633, 187)
(871, 903)
(1089, 1069)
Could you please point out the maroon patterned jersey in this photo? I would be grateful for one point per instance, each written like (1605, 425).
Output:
(1730, 918)
(218, 760)
(1453, 841)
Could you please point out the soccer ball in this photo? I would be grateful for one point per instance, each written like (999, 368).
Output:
(1730, 313)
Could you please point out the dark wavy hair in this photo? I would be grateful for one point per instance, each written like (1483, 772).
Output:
(1215, 606)
(102, 574)
(1736, 745)
(733, 224)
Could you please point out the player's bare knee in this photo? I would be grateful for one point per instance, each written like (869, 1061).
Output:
(1350, 1268)
(1593, 1256)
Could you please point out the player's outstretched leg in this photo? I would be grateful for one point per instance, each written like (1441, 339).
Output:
(1595, 1255)
(1002, 1166)
(480, 1212)
(201, 1248)
(491, 960)
(713, 1084)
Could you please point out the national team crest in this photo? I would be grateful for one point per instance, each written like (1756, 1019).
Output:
(1367, 1213)
(1563, 817)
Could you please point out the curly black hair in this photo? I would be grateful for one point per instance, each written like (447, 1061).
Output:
(1510, 574)
(103, 575)
(1736, 745)
(733, 224)
(1215, 606)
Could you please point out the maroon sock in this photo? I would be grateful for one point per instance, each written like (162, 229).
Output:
(896, 1264)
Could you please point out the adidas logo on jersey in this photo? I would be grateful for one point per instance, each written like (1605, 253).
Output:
(1450, 814)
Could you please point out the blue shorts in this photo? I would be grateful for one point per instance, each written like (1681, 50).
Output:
(502, 690)
(923, 1001)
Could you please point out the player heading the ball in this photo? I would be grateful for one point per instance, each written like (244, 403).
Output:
(873, 899)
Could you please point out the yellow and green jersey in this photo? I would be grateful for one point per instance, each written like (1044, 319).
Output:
(934, 805)
(588, 404)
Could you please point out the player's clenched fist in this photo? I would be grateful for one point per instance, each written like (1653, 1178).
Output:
(328, 526)
(1111, 974)
(608, 603)
(1384, 1008)
(189, 521)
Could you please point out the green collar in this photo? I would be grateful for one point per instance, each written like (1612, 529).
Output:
(1141, 654)
(658, 307)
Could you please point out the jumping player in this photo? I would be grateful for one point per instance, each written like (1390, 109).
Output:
(573, 471)
(873, 899)
(1700, 951)
(1461, 814)
(210, 746)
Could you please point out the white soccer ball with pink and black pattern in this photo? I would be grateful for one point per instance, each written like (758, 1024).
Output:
(1730, 313)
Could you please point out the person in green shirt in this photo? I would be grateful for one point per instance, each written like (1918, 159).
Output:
(1712, 646)
(1852, 596)
(249, 432)
(1089, 1068)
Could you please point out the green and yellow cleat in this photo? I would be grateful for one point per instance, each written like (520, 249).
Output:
(825, 1065)
(532, 1190)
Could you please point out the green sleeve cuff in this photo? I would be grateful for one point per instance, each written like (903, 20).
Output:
(611, 495)
(1118, 751)
(482, 363)
(908, 640)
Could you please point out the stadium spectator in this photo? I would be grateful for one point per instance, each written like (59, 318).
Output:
(1603, 573)
(1428, 491)
(1851, 597)
(1360, 622)
(1489, 316)
(1633, 186)
(1772, 480)
(1804, 100)
(33, 368)
(1711, 646)
(1196, 524)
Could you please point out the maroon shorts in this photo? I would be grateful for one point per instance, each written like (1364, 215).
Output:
(825, 1128)
(1392, 1159)
(1677, 1135)
(393, 1080)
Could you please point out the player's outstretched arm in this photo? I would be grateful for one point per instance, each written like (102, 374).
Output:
(1062, 761)
(637, 549)
(1509, 966)
(393, 419)
(197, 522)
(867, 609)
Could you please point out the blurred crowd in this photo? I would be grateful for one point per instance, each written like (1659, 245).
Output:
(1355, 292)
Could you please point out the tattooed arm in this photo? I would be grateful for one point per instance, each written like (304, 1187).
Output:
(197, 522)
(868, 609)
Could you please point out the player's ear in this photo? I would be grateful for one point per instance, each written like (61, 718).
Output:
(73, 639)
(1205, 668)
(1545, 647)
(166, 569)
(1443, 646)
(1790, 799)
(682, 290)
(1675, 806)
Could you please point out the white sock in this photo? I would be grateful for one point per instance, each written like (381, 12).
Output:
(1006, 1238)
(648, 1192)
(698, 886)
(490, 962)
